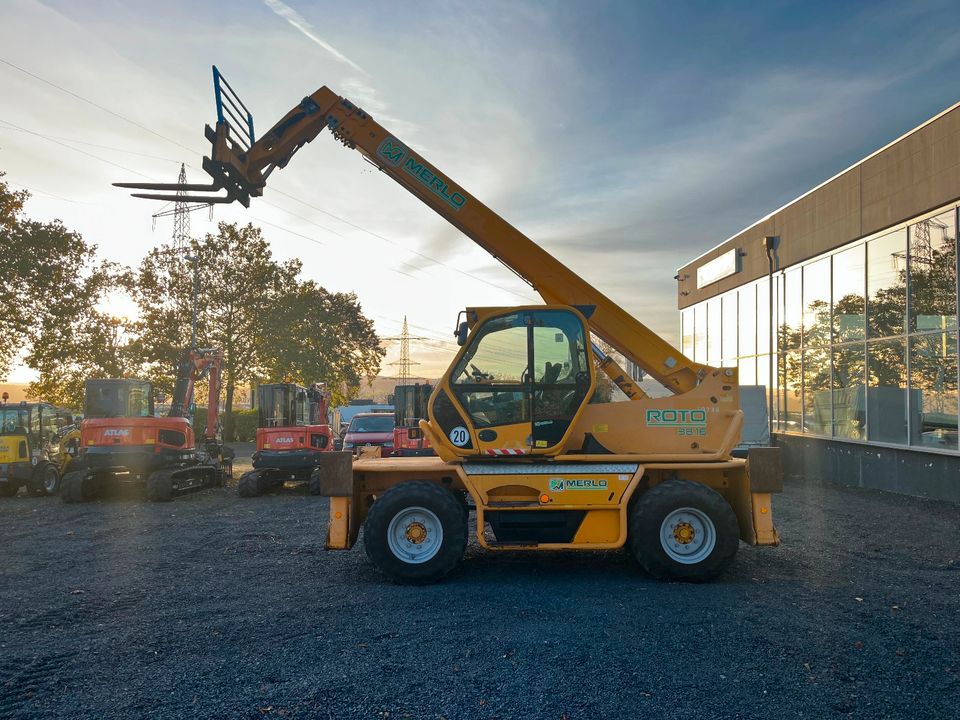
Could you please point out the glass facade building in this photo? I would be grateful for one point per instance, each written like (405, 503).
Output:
(860, 342)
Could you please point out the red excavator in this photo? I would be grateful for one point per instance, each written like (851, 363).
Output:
(292, 433)
(122, 441)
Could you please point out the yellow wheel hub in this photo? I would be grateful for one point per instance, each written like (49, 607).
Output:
(416, 533)
(684, 533)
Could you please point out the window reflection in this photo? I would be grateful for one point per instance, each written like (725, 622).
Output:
(848, 303)
(933, 274)
(747, 312)
(886, 284)
(817, 414)
(933, 382)
(849, 413)
(686, 332)
(763, 317)
(886, 392)
(792, 383)
(747, 371)
(714, 326)
(730, 331)
(700, 334)
(792, 297)
(816, 303)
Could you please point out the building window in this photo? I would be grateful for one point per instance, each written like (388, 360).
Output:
(728, 347)
(866, 338)
(686, 332)
(714, 331)
(886, 284)
(848, 304)
(791, 324)
(887, 391)
(849, 411)
(933, 387)
(763, 317)
(816, 303)
(933, 274)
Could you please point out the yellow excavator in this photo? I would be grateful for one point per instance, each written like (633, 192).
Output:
(514, 420)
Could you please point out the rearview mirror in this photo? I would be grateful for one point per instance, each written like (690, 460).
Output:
(462, 332)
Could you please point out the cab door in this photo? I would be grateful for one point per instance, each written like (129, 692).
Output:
(519, 383)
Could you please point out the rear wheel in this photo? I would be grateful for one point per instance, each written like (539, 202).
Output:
(159, 487)
(682, 530)
(416, 532)
(249, 485)
(75, 487)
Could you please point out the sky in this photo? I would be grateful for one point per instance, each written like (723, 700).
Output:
(626, 138)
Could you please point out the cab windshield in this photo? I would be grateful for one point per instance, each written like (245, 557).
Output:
(118, 398)
(13, 421)
(371, 424)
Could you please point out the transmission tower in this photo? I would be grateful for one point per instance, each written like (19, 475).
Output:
(404, 363)
(181, 215)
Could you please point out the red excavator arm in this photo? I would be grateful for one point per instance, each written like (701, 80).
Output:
(194, 364)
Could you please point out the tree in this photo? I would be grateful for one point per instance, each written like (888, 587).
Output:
(92, 344)
(239, 284)
(317, 336)
(49, 282)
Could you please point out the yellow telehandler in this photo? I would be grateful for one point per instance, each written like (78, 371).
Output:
(512, 419)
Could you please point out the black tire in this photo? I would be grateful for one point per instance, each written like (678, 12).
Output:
(249, 485)
(444, 506)
(75, 488)
(652, 510)
(160, 487)
(9, 489)
(45, 480)
(315, 484)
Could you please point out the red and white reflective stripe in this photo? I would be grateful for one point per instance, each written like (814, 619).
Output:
(506, 451)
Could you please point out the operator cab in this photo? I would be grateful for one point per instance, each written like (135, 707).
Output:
(288, 405)
(518, 384)
(118, 398)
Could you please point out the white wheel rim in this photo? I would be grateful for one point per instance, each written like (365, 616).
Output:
(415, 535)
(50, 482)
(688, 535)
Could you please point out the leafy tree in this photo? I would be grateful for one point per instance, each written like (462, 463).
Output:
(317, 336)
(92, 344)
(239, 284)
(46, 279)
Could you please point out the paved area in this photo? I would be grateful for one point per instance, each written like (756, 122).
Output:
(213, 606)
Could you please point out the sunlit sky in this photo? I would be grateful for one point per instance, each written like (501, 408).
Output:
(625, 137)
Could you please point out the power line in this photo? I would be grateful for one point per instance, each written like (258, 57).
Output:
(69, 147)
(310, 205)
(96, 105)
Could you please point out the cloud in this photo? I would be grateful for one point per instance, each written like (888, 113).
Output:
(300, 23)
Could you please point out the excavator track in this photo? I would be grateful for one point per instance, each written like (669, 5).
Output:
(258, 482)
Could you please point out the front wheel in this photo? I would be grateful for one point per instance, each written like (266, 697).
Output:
(415, 532)
(46, 480)
(682, 530)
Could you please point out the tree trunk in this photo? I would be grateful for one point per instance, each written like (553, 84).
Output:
(228, 412)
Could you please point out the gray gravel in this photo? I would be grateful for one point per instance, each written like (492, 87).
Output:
(213, 606)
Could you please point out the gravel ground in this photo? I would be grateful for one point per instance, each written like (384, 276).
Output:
(213, 606)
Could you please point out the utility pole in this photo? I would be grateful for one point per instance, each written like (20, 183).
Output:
(196, 288)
